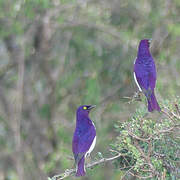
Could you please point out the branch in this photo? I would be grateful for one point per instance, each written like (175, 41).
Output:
(139, 138)
(168, 115)
(69, 172)
(146, 157)
(18, 114)
(140, 177)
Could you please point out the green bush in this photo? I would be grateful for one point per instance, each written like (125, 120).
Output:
(149, 143)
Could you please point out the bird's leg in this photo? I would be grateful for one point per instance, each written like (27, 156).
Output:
(88, 158)
(72, 158)
(137, 96)
(73, 165)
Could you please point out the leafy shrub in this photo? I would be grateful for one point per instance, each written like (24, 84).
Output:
(149, 143)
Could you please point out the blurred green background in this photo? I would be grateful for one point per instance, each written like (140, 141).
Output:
(58, 54)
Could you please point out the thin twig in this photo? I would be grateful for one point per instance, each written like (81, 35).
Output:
(175, 115)
(18, 115)
(141, 177)
(138, 138)
(127, 172)
(69, 172)
(170, 117)
(144, 155)
(164, 112)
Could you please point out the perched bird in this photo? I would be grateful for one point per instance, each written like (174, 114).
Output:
(145, 74)
(84, 138)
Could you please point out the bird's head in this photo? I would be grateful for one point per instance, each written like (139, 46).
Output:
(145, 43)
(85, 109)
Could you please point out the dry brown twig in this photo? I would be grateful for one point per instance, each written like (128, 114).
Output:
(139, 138)
(168, 114)
(70, 172)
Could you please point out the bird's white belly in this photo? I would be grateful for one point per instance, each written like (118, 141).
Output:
(91, 147)
(137, 82)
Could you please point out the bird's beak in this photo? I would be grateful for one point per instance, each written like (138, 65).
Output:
(91, 107)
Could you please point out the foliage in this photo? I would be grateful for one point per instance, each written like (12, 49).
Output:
(150, 145)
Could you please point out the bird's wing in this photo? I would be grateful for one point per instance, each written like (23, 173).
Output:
(141, 76)
(137, 82)
(135, 78)
(78, 157)
(152, 76)
(83, 142)
(145, 77)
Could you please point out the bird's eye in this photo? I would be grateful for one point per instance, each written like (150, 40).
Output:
(84, 107)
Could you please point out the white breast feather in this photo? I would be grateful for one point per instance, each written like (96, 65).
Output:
(137, 82)
(91, 147)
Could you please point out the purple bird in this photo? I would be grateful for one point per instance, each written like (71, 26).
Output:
(84, 138)
(145, 74)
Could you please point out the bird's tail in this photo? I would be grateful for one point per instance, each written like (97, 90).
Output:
(81, 167)
(152, 103)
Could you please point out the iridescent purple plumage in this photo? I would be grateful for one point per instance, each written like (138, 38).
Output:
(84, 138)
(145, 74)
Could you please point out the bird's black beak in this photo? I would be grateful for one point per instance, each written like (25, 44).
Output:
(91, 107)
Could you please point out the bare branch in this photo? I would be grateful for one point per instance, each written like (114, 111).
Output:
(138, 138)
(141, 177)
(146, 157)
(167, 114)
(18, 114)
(70, 172)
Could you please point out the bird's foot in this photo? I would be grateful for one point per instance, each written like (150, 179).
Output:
(136, 97)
